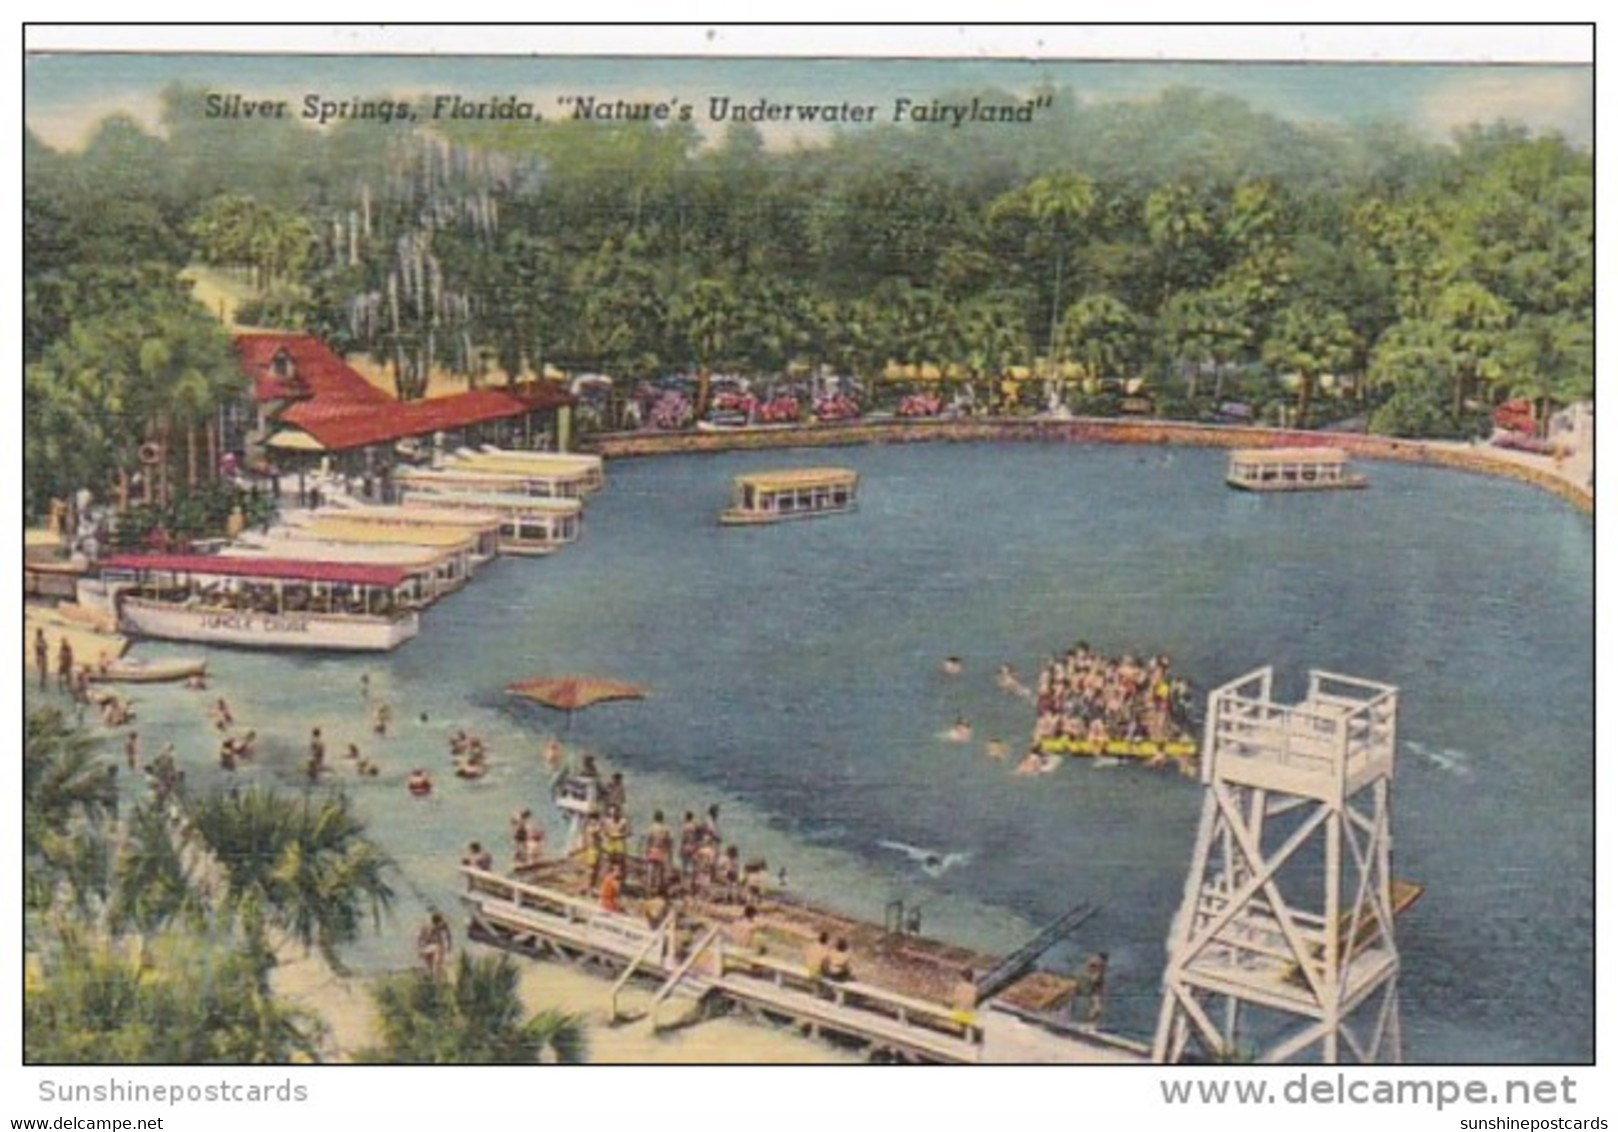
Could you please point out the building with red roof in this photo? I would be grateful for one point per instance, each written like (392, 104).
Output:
(310, 400)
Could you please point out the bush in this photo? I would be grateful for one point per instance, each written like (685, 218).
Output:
(1414, 413)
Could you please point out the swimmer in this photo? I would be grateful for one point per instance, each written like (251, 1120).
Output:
(1032, 763)
(553, 754)
(961, 732)
(952, 666)
(996, 749)
(419, 784)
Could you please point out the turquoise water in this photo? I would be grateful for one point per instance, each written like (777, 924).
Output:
(794, 676)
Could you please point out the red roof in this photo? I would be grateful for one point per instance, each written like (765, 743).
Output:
(342, 426)
(290, 569)
(340, 409)
(318, 373)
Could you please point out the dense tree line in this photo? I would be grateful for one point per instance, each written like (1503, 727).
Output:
(1188, 245)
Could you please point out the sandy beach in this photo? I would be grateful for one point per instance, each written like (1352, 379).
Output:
(345, 1004)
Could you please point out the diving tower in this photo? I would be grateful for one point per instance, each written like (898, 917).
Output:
(1283, 948)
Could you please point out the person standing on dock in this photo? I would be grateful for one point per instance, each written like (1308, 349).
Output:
(815, 956)
(42, 656)
(615, 841)
(963, 999)
(658, 848)
(610, 888)
(690, 841)
(1092, 983)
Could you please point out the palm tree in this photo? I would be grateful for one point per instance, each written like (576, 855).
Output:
(475, 1017)
(1309, 339)
(1203, 327)
(302, 865)
(1056, 203)
(63, 778)
(1101, 333)
(168, 1000)
(154, 884)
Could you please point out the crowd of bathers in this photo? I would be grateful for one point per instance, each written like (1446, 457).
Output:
(1085, 696)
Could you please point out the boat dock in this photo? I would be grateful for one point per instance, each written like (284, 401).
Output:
(896, 1005)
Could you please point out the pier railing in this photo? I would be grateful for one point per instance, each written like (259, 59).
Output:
(852, 996)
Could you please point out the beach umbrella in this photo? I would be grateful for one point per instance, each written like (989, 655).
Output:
(570, 693)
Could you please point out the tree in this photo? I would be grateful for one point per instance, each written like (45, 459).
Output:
(1550, 359)
(1203, 328)
(705, 318)
(302, 865)
(168, 1000)
(1470, 320)
(474, 1017)
(1101, 334)
(1310, 340)
(1183, 234)
(68, 791)
(1057, 203)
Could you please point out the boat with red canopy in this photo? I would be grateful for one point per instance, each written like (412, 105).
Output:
(258, 602)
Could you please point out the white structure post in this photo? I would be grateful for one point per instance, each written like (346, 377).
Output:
(1283, 948)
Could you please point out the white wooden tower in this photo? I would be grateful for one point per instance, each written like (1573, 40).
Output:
(1283, 948)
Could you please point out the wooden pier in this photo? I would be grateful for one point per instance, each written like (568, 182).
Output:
(897, 1004)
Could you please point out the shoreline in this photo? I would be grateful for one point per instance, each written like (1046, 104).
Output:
(344, 1004)
(1455, 455)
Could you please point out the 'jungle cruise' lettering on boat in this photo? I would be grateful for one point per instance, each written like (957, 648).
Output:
(790, 493)
(257, 602)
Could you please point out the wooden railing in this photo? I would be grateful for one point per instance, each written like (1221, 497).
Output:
(851, 995)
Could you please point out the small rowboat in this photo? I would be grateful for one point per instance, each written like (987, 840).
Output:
(130, 671)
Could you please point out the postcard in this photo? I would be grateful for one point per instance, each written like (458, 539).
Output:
(774, 558)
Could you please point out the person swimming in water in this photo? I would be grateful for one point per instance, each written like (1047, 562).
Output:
(961, 731)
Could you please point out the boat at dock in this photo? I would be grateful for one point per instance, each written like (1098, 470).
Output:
(529, 525)
(257, 602)
(790, 493)
(482, 526)
(432, 572)
(578, 473)
(463, 476)
(455, 548)
(1291, 469)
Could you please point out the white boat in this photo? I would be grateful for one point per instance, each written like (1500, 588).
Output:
(483, 526)
(129, 670)
(1291, 469)
(465, 475)
(790, 493)
(582, 468)
(432, 573)
(259, 602)
(529, 525)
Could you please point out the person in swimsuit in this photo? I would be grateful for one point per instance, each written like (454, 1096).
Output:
(658, 848)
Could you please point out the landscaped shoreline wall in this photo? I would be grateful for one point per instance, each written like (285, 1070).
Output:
(1092, 430)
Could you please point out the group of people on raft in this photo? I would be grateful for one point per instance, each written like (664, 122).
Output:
(1085, 697)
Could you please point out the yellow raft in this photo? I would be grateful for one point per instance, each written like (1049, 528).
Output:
(1118, 748)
